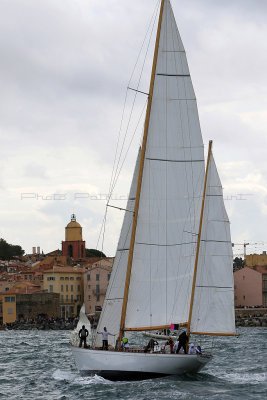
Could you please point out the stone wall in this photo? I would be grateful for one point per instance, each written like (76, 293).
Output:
(34, 304)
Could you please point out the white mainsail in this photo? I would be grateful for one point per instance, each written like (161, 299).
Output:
(111, 313)
(213, 306)
(171, 191)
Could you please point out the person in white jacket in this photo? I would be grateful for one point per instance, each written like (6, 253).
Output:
(105, 334)
(192, 349)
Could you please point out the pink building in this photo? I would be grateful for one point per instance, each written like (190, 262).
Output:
(251, 286)
(96, 279)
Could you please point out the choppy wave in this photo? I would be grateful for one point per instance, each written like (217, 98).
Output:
(76, 378)
(39, 365)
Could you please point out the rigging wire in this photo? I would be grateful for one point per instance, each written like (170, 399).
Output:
(116, 169)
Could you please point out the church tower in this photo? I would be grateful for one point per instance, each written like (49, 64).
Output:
(74, 245)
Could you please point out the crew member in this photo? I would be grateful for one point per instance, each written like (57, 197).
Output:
(183, 339)
(105, 334)
(83, 333)
(169, 343)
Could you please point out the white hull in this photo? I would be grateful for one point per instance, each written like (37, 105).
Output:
(128, 366)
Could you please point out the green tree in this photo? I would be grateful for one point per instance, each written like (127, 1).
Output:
(238, 263)
(8, 251)
(94, 253)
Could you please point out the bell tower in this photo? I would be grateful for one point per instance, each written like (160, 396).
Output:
(74, 245)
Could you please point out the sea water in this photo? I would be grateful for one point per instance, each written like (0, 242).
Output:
(39, 365)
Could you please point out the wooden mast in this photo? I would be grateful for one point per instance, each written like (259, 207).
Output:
(140, 175)
(198, 243)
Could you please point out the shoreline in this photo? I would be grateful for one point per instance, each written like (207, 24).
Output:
(247, 317)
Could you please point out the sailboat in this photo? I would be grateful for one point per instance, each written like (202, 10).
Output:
(173, 262)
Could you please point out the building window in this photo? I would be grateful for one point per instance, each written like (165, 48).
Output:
(244, 297)
(71, 288)
(51, 288)
(88, 277)
(97, 277)
(67, 288)
(98, 298)
(67, 278)
(62, 298)
(108, 277)
(235, 297)
(71, 297)
(50, 278)
(97, 288)
(67, 297)
(10, 299)
(70, 250)
(62, 278)
(89, 286)
(10, 311)
(243, 277)
(79, 288)
(77, 297)
(89, 297)
(78, 278)
(71, 278)
(61, 288)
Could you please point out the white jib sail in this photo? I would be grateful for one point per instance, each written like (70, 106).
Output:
(171, 191)
(111, 312)
(213, 306)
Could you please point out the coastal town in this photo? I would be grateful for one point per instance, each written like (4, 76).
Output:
(46, 291)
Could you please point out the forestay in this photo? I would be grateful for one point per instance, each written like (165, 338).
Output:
(171, 191)
(213, 307)
(111, 313)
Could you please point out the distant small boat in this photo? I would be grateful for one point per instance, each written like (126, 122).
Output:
(173, 263)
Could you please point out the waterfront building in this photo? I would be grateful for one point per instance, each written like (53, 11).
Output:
(68, 283)
(96, 279)
(74, 245)
(256, 259)
(8, 299)
(17, 305)
(251, 287)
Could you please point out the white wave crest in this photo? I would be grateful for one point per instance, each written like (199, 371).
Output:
(239, 378)
(60, 375)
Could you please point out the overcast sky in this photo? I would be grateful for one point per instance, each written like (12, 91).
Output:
(64, 70)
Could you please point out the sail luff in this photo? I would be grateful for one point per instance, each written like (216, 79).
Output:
(213, 306)
(198, 243)
(111, 312)
(129, 266)
(171, 192)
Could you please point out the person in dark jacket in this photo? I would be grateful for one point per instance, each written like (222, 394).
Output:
(183, 339)
(83, 333)
(150, 345)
